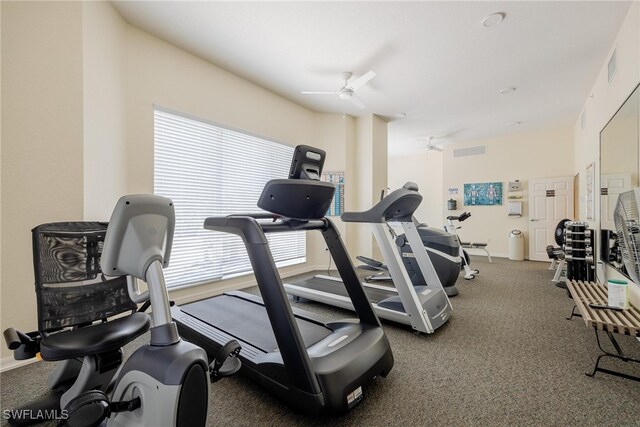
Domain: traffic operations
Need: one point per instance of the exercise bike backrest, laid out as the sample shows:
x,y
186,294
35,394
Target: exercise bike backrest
x,y
138,245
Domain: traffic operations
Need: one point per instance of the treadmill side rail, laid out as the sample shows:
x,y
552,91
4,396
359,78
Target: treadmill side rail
x,y
348,274
285,328
419,318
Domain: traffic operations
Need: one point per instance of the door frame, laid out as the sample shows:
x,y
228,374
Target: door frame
x,y
571,208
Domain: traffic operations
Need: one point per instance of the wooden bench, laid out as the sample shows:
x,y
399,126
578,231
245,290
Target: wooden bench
x,y
626,322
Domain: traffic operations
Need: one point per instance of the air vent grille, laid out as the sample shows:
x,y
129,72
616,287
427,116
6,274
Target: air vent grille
x,y
478,150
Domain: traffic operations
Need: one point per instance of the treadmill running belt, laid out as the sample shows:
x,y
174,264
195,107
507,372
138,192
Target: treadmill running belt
x,y
333,287
248,321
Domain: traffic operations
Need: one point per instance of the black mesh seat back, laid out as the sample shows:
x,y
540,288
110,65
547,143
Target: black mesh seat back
x,y
70,287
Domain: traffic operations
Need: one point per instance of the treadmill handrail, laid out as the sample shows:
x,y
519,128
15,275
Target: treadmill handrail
x,y
398,206
227,224
276,303
246,227
347,271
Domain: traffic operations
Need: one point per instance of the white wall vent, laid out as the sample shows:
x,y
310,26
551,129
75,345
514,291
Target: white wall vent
x,y
478,150
583,120
613,65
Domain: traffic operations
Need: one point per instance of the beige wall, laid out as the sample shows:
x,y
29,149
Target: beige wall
x,y
604,100
425,168
42,134
105,161
519,156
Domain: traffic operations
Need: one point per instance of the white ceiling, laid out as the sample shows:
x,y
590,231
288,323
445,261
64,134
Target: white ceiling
x,y
434,60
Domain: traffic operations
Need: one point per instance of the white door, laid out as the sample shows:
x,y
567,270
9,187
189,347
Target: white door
x,y
611,185
550,201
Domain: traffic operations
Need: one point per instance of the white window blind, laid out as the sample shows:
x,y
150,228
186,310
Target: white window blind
x,y
208,171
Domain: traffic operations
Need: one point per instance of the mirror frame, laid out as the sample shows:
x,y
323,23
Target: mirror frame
x,y
605,233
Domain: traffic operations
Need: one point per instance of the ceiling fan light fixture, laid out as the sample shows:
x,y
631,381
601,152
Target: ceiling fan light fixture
x,y
345,94
493,19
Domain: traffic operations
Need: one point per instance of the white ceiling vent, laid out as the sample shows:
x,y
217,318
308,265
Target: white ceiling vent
x,y
613,65
478,150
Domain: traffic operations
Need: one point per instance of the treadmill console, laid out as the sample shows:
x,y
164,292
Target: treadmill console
x,y
303,196
307,163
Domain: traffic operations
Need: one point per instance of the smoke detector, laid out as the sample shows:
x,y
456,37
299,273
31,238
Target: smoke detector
x,y
493,19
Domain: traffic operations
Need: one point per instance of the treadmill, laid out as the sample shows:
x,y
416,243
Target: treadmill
x,y
316,365
424,307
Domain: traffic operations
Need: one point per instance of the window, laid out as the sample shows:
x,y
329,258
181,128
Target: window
x,y
212,171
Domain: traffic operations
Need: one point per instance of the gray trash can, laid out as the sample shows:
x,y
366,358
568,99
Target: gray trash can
x,y
516,245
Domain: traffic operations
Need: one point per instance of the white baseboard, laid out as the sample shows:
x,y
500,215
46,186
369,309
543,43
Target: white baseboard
x,y
9,363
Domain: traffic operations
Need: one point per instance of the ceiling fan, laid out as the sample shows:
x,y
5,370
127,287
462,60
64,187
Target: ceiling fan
x,y
347,92
431,146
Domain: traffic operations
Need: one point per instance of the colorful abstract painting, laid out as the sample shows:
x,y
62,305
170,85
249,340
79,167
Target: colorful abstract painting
x,y
483,194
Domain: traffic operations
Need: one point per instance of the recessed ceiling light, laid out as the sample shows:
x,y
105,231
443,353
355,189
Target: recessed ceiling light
x,y
515,123
493,19
507,90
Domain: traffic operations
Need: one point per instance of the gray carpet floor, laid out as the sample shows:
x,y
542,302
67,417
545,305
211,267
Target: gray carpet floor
x,y
507,357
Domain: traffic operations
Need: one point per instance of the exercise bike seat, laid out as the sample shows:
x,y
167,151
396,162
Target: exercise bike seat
x,y
94,339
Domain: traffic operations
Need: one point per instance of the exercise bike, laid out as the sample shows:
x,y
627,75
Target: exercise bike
x,y
451,228
165,382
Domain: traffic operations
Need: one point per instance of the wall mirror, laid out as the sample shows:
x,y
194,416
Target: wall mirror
x,y
619,161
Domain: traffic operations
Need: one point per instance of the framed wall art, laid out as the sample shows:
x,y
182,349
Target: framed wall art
x,y
483,194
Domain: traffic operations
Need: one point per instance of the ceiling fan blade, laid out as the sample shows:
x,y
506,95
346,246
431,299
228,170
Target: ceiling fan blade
x,y
358,102
434,148
318,93
361,81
